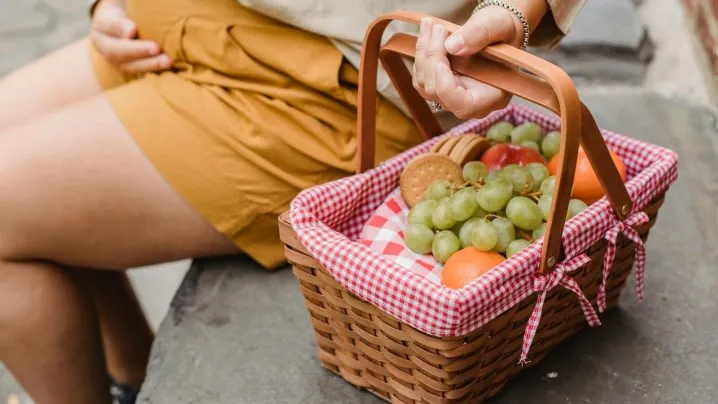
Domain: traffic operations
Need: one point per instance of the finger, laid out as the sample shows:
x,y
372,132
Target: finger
x,y
120,51
436,54
423,93
451,95
486,99
489,25
112,21
152,64
422,44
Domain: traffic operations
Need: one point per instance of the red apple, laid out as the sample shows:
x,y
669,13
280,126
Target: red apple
x,y
503,154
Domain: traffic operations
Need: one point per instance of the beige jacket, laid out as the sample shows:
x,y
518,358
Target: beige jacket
x,y
344,21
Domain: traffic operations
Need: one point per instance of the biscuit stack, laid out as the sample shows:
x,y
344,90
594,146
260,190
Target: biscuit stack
x,y
444,161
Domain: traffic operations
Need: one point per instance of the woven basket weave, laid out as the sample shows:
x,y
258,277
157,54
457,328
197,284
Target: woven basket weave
x,y
372,350
453,351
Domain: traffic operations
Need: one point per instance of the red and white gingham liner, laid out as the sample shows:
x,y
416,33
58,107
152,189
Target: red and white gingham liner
x,y
328,220
384,233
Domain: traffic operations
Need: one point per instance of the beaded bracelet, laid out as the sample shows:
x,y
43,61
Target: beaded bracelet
x,y
513,10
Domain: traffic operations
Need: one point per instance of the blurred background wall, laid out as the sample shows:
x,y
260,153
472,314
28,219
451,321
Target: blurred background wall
x,y
703,21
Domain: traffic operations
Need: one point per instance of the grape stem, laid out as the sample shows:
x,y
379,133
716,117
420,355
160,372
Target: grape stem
x,y
535,195
476,185
524,235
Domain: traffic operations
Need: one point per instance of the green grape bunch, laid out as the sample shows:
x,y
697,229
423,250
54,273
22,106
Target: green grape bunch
x,y
503,210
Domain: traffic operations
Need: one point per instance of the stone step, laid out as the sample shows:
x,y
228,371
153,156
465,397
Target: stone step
x,y
608,43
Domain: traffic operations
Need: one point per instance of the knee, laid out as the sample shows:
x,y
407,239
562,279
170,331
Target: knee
x,y
34,297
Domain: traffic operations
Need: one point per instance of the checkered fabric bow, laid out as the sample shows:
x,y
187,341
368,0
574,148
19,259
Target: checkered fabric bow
x,y
544,283
627,227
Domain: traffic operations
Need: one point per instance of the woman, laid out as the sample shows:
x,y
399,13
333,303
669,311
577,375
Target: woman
x,y
182,129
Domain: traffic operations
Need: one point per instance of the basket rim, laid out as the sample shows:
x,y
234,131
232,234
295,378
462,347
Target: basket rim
x,y
413,299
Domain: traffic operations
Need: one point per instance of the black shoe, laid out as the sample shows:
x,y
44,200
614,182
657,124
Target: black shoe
x,y
122,394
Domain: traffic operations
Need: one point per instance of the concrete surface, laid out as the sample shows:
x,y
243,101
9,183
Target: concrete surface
x,y
608,42
32,28
676,69
613,25
238,334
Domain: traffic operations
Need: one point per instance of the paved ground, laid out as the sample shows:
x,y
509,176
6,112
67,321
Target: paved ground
x,y
31,28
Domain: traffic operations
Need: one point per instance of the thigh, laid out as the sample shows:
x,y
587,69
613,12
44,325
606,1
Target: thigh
x,y
55,80
76,190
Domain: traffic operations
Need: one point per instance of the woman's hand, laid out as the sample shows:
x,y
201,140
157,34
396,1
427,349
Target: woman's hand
x,y
463,96
114,35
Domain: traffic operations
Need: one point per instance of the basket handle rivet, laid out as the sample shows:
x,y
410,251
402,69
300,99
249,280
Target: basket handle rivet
x,y
624,209
551,262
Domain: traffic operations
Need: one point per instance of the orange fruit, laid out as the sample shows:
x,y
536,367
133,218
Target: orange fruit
x,y
468,264
586,186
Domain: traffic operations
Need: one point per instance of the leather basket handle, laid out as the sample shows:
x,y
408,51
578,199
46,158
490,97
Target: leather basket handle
x,y
548,86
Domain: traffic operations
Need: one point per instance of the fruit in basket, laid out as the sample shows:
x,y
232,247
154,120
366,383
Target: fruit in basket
x,y
494,196
444,245
528,131
457,228
464,204
521,180
485,236
442,217
419,238
438,190
544,203
500,132
548,185
475,171
479,213
539,173
516,246
503,154
499,207
575,206
421,213
531,145
538,232
468,264
586,185
524,213
551,144
506,233
467,231
493,176
423,171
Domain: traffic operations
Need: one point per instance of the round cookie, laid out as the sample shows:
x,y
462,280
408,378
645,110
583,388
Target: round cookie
x,y
422,172
473,150
460,146
446,148
435,148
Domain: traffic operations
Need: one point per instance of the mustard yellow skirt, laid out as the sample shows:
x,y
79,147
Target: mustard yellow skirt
x,y
252,112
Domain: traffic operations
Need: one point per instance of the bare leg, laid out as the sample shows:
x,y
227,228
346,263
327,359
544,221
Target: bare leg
x,y
50,335
77,192
54,81
126,334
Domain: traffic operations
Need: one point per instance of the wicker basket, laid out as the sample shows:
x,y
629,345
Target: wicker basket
x,y
371,348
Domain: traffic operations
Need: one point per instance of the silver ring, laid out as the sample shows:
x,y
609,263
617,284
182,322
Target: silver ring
x,y
435,106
